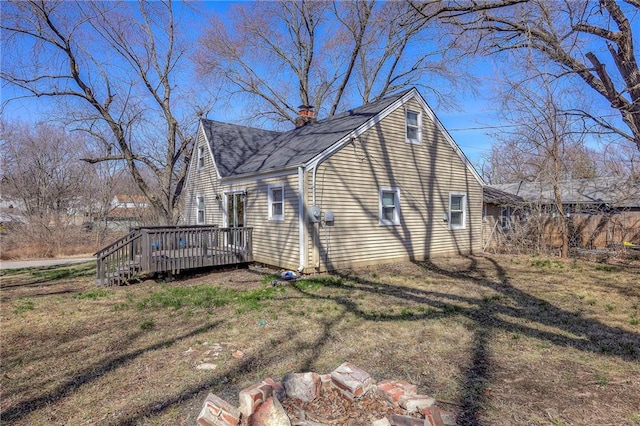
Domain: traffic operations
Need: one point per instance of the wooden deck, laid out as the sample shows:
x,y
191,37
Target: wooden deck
x,y
171,249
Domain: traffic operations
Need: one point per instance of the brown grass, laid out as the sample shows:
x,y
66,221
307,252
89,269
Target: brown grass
x,y
23,243
499,340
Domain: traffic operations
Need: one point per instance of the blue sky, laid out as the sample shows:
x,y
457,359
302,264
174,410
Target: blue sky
x,y
467,123
470,124
471,112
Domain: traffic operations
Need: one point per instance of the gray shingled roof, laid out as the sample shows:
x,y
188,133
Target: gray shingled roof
x,y
233,145
604,190
497,196
244,150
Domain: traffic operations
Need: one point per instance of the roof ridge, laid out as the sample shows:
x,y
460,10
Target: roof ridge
x,y
240,125
242,149
365,105
323,121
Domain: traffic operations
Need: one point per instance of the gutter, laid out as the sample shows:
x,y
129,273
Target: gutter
x,y
301,218
313,184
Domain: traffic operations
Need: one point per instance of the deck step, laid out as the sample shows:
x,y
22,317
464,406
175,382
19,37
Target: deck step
x,y
122,275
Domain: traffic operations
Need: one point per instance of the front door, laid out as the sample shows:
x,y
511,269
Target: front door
x,y
236,217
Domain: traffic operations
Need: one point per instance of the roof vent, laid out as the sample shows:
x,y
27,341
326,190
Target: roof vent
x,y
305,115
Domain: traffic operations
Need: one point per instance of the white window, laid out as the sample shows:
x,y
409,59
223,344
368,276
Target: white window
x,y
414,127
200,157
389,212
276,202
457,211
200,210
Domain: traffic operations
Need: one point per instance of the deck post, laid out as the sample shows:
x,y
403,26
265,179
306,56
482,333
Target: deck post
x,y
145,251
249,247
100,278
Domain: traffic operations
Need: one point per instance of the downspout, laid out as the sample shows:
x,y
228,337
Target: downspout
x,y
316,231
301,218
313,191
313,185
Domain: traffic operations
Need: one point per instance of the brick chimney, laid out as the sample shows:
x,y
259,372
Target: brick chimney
x,y
305,116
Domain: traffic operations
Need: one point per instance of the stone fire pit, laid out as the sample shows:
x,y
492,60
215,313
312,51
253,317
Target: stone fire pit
x,y
347,396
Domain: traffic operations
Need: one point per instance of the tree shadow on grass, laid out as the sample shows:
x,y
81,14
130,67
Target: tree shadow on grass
x,y
489,315
43,281
267,355
592,335
486,313
89,374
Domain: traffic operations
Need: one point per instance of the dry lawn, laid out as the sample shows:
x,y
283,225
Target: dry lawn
x,y
499,340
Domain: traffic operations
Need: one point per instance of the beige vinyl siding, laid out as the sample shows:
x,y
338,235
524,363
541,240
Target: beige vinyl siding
x,y
202,182
348,183
274,242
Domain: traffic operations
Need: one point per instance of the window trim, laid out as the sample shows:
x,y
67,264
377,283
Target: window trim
x,y
463,210
198,210
418,127
201,156
271,202
396,210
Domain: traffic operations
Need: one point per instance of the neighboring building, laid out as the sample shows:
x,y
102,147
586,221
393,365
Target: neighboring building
x,y
11,213
601,211
382,182
501,212
125,201
11,205
126,211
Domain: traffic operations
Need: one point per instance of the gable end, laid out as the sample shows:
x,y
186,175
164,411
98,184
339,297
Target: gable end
x,y
411,94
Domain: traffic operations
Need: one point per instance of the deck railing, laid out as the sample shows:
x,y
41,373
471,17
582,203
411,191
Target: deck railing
x,y
171,249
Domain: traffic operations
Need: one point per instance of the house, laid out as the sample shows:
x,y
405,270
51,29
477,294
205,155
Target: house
x,y
11,213
126,211
600,211
126,201
383,182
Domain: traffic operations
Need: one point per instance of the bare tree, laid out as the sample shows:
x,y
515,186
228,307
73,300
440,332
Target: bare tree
x,y
620,160
42,170
542,144
321,54
591,42
507,163
113,68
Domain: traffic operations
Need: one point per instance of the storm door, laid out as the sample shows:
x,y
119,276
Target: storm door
x,y
236,218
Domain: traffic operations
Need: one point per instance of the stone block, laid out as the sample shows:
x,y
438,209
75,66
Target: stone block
x,y
253,396
398,420
381,422
432,416
326,381
304,386
392,390
206,417
351,380
277,388
206,366
416,403
269,413
218,412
